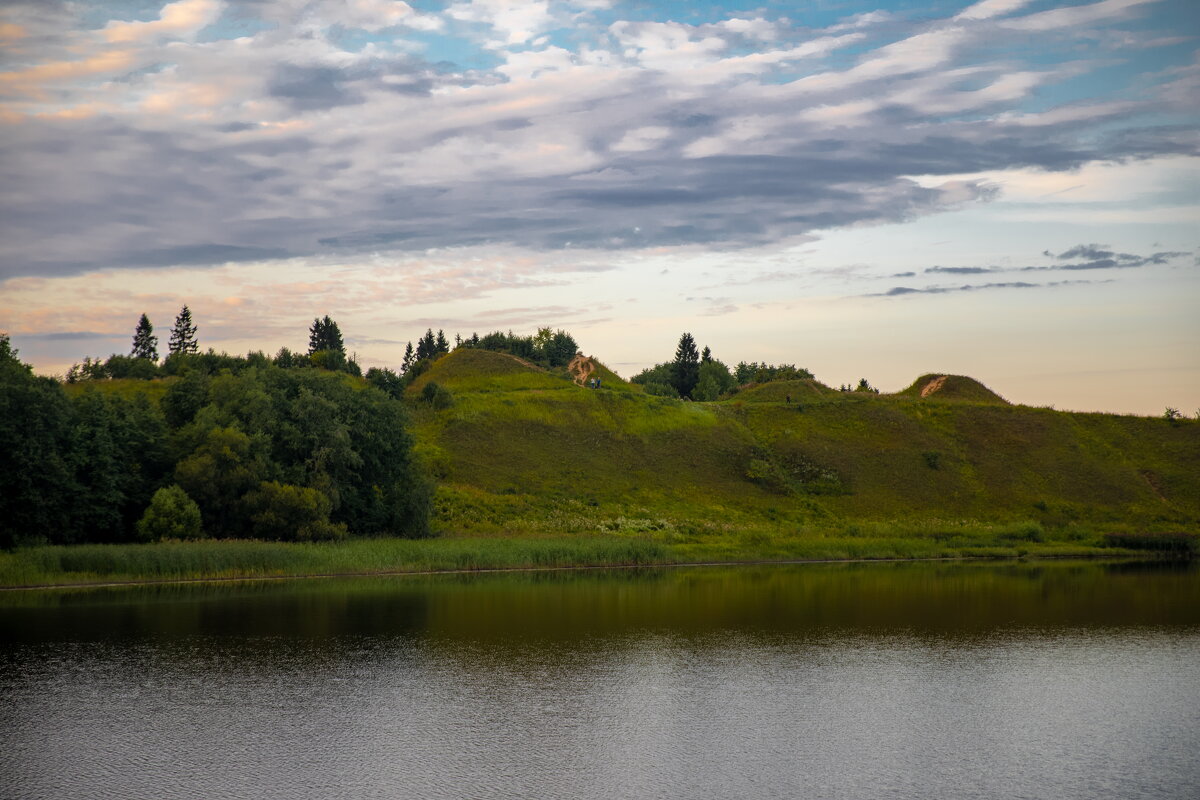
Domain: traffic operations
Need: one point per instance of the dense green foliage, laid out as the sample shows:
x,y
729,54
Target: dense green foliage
x,y
699,376
754,372
260,450
171,515
685,369
545,348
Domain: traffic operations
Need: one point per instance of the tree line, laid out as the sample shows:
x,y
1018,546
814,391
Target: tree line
x,y
234,447
271,447
696,375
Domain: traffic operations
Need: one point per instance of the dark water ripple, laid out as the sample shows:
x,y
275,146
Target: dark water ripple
x,y
1072,681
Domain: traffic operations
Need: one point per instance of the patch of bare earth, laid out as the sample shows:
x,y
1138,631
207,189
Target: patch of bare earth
x,y
933,386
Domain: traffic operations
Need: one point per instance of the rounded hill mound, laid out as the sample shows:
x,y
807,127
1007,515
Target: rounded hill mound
x,y
781,391
469,369
951,387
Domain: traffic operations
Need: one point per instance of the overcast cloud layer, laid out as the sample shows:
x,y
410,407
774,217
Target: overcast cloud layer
x,y
205,132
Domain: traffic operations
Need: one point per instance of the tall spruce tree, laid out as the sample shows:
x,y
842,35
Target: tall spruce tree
x,y
145,343
324,334
183,335
441,345
409,358
426,345
685,369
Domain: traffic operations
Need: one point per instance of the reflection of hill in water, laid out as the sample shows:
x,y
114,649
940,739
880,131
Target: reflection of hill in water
x,y
914,598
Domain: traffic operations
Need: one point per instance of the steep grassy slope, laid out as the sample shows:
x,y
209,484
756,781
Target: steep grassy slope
x,y
513,455
894,457
581,446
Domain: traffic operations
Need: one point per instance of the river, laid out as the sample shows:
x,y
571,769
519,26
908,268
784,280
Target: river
x,y
898,680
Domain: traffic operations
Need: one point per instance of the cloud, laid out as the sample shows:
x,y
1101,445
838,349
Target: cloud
x,y
1086,251
1096,257
289,142
987,9
898,291
961,270
181,18
71,336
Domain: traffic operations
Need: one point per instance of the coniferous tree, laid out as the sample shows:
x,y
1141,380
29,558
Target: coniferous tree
x,y
183,335
324,334
441,345
705,355
685,369
145,343
426,345
409,358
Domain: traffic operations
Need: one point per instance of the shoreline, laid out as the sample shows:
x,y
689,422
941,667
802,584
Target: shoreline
x,y
101,584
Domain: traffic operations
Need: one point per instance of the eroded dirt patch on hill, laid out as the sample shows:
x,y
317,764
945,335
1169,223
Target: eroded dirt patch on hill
x,y
581,368
934,385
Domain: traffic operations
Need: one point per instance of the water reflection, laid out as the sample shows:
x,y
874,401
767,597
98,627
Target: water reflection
x,y
886,680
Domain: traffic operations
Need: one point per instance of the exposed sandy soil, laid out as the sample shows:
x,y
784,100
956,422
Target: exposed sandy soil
x,y
581,368
933,386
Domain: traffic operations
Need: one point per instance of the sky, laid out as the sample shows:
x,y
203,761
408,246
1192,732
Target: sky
x,y
1007,189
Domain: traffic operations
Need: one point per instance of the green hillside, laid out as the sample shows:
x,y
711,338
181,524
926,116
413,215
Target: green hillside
x,y
786,391
513,456
533,469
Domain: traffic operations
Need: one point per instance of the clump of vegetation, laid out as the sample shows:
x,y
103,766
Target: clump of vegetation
x,y
754,372
170,515
1177,543
436,395
545,348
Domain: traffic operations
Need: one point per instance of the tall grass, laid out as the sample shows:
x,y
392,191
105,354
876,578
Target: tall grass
x,y
234,558
633,542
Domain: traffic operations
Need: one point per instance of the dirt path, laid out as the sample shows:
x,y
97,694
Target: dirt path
x,y
933,385
581,368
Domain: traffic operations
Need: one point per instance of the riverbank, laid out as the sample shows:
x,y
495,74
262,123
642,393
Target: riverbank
x,y
232,559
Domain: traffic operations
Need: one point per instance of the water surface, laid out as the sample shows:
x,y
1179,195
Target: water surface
x,y
910,680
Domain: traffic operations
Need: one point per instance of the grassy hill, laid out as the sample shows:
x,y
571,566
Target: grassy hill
x,y
523,450
951,387
786,391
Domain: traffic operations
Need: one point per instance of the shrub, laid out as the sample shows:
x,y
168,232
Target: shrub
x,y
170,515
437,395
932,459
285,512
